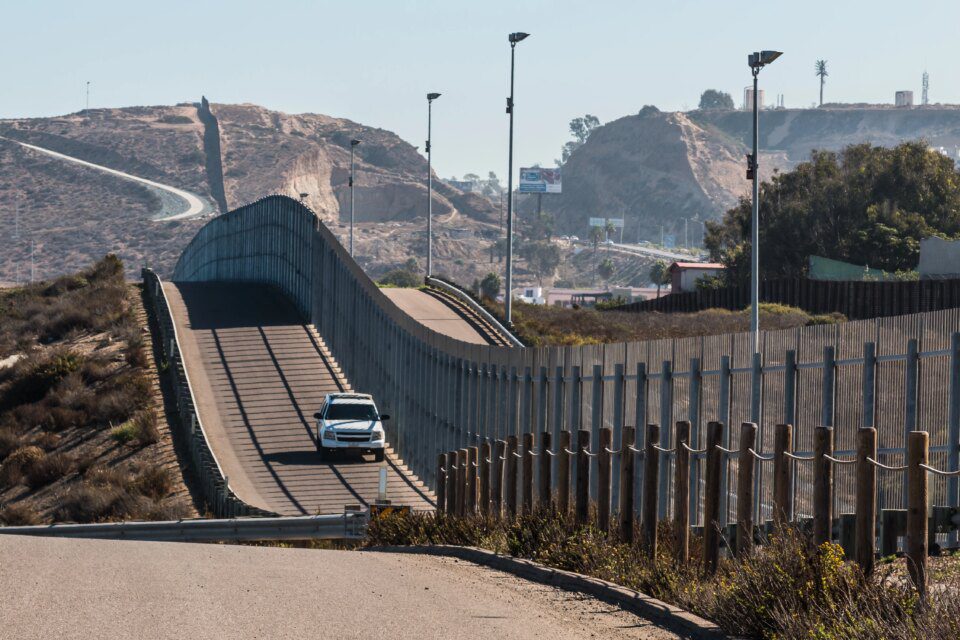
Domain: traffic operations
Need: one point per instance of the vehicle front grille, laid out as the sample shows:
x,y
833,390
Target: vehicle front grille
x,y
345,436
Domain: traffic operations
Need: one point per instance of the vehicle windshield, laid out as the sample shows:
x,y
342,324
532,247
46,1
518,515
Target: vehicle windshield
x,y
351,412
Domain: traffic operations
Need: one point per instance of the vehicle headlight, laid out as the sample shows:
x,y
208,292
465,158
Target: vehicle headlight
x,y
377,435
329,434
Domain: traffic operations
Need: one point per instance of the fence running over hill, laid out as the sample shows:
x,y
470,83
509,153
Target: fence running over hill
x,y
896,374
855,300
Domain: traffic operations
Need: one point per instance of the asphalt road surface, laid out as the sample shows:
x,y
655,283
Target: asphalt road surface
x,y
107,589
259,374
429,311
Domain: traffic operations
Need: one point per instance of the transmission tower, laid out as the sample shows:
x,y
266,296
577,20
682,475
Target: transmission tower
x,y
926,88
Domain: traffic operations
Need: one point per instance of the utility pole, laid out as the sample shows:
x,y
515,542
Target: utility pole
x,y
661,236
32,265
686,241
88,94
430,98
514,38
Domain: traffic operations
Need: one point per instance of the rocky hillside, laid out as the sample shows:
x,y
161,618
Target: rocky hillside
x,y
657,168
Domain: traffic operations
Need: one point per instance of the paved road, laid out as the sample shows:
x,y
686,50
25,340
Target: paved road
x,y
655,253
259,374
106,589
195,205
429,311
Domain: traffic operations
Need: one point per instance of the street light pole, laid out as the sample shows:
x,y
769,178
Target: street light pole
x,y
353,144
508,298
430,98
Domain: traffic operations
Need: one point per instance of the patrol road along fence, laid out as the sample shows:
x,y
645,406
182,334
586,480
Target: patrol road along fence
x,y
856,532
892,374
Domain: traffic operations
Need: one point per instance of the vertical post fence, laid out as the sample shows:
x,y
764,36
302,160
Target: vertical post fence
x,y
603,477
822,485
746,464
651,476
711,498
563,473
627,458
544,468
681,492
583,477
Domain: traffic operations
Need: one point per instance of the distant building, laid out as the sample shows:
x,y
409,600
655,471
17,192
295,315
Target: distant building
x,y
748,98
684,275
467,186
939,258
904,99
566,298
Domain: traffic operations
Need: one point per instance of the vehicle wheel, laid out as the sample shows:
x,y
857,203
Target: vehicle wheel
x,y
378,455
323,453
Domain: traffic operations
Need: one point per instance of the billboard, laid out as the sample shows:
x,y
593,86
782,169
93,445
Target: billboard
x,y
538,180
602,222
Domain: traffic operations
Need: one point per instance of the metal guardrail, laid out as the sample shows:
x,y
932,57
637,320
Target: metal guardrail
x,y
476,308
348,526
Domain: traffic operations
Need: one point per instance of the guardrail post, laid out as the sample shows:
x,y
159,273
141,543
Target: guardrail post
x,y
496,485
583,476
651,470
546,462
782,474
441,482
627,459
461,482
472,467
681,492
822,485
603,477
866,499
711,498
485,463
527,490
511,483
563,473
746,464
918,453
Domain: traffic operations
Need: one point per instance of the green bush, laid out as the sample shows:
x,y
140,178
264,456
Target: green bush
x,y
125,433
401,278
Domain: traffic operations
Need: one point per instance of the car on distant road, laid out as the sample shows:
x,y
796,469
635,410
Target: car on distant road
x,y
574,239
350,422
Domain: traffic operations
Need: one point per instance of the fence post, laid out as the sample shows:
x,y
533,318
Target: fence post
x,y
603,477
866,499
583,477
651,470
918,452
485,463
563,473
496,485
782,474
511,483
822,485
627,458
546,463
441,482
527,490
452,483
473,466
461,482
746,464
681,492
711,498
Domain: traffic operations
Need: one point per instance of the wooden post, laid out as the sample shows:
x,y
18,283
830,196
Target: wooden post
x,y
485,463
470,499
527,491
822,485
918,453
563,473
461,482
546,463
866,499
746,464
651,473
451,483
603,478
511,481
441,482
711,498
583,477
628,439
681,492
782,475
496,485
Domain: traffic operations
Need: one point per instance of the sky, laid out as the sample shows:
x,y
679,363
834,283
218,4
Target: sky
x,y
374,61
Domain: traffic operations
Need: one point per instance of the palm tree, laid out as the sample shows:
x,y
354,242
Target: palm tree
x,y
608,228
658,273
821,67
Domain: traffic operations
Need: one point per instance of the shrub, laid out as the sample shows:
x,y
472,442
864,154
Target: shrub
x,y
9,442
19,515
85,503
125,433
153,481
148,427
401,278
15,466
34,377
49,468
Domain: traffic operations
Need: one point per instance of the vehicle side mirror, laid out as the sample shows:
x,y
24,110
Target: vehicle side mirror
x,y
385,417
317,415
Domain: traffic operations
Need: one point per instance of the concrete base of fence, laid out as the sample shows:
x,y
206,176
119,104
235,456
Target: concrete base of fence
x,y
665,615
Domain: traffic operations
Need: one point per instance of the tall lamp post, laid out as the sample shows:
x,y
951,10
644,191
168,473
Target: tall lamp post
x,y
430,98
756,61
508,299
353,145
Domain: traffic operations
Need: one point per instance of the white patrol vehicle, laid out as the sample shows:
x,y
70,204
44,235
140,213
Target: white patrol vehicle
x,y
350,422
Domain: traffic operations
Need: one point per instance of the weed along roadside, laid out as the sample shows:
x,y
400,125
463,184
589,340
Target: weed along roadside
x,y
788,578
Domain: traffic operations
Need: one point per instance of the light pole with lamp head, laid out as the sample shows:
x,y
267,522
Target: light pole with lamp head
x,y
353,145
508,298
430,98
757,61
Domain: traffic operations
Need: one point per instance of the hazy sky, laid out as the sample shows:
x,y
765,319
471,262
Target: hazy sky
x,y
374,61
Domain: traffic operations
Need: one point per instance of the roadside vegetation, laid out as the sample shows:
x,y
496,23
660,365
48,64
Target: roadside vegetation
x,y
788,589
82,433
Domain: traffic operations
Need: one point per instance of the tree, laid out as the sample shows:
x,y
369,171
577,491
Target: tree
x,y
821,70
865,205
713,99
596,235
608,228
401,278
543,259
580,128
605,269
491,186
490,286
658,274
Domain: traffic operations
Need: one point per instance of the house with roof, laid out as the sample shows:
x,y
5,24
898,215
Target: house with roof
x,y
684,275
